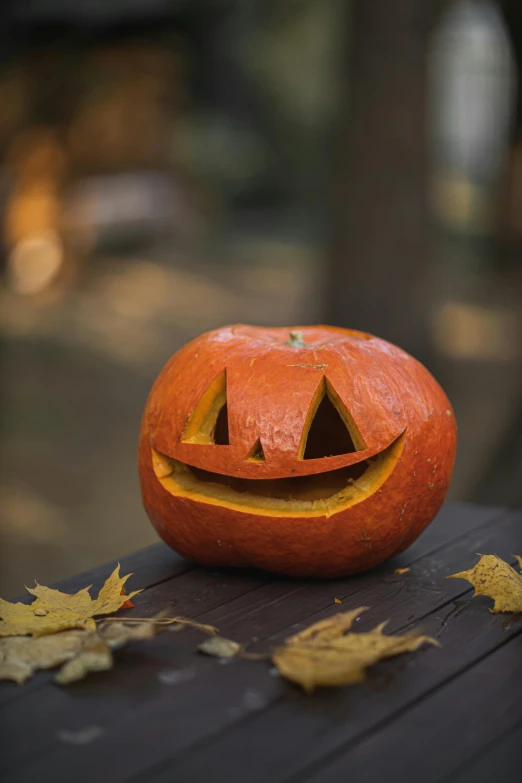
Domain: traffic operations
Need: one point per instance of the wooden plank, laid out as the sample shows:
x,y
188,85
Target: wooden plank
x,y
453,520
280,744
297,731
499,761
201,578
154,564
433,738
135,701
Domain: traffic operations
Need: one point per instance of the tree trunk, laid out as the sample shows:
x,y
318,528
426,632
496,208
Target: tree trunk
x,y
381,245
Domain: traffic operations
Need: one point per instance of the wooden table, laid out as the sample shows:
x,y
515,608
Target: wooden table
x,y
167,713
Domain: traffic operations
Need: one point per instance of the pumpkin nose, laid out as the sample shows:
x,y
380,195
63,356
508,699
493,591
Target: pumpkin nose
x,y
257,453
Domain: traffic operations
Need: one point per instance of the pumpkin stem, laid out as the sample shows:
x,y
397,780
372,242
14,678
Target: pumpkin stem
x,y
296,340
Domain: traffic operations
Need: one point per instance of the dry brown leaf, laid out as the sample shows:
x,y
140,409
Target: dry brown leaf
x,y
116,635
337,601
402,570
496,579
95,653
93,656
80,651
219,647
21,656
326,654
54,611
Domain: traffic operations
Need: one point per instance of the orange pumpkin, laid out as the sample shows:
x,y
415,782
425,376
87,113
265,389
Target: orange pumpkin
x,y
310,452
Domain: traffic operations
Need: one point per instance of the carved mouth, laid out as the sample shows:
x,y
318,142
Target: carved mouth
x,y
320,494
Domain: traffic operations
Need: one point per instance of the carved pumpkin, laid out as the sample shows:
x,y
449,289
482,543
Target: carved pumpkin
x,y
319,452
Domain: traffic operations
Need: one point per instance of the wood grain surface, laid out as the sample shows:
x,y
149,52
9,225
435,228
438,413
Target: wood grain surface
x,y
166,713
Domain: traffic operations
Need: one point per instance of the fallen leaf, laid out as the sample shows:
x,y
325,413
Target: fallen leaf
x,y
93,656
80,651
337,601
20,620
402,570
519,561
495,579
21,656
326,654
116,635
39,636
219,647
54,611
95,653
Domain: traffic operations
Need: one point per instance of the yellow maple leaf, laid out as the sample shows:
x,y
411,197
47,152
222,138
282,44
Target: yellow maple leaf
x,y
495,579
54,611
327,654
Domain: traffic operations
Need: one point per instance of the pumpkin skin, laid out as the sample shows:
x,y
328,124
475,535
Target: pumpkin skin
x,y
209,502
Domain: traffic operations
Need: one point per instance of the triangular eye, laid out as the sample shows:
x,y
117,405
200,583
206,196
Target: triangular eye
x,y
256,453
221,437
331,429
208,422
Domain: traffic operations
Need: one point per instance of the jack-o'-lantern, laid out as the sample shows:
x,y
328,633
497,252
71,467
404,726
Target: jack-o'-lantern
x,y
313,451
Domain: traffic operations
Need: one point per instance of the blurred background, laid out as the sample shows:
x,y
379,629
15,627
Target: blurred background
x,y
170,166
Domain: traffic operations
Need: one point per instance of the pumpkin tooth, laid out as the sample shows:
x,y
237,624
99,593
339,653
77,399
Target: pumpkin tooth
x,y
161,465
